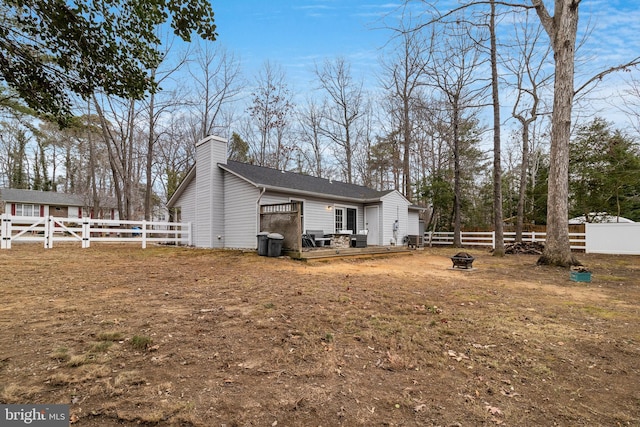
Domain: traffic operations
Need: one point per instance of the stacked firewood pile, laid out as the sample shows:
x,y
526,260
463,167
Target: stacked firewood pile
x,y
526,248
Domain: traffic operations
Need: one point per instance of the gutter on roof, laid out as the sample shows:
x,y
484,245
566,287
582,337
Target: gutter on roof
x,y
321,195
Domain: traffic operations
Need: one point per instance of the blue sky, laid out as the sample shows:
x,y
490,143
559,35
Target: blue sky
x,y
296,34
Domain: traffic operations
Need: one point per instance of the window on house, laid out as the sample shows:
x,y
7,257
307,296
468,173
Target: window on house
x,y
27,210
346,219
351,220
339,219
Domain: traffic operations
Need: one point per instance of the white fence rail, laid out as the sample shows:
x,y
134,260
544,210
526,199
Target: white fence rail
x,y
87,230
488,238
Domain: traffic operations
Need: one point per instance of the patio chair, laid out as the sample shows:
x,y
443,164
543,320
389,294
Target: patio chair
x,y
308,241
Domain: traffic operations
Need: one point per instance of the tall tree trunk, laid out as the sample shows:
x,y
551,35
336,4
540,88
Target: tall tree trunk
x,y
150,142
497,166
348,148
562,30
457,190
127,179
522,191
95,199
19,176
406,165
115,167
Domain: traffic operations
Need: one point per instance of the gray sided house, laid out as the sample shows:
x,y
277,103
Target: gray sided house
x,y
222,198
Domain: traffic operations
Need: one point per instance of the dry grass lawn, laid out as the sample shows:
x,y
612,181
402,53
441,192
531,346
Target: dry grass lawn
x,y
187,337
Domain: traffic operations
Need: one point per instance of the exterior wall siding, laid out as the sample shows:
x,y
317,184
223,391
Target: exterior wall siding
x,y
209,193
241,213
204,198
316,215
270,198
187,203
413,227
218,147
394,206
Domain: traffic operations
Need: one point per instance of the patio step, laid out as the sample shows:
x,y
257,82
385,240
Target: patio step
x,y
312,254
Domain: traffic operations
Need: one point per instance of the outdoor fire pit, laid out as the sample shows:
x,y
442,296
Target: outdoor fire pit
x,y
462,260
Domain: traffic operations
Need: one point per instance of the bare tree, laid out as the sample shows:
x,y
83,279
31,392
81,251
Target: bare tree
x,y
151,142
453,72
561,29
156,105
310,122
75,162
344,108
270,111
630,105
385,153
432,135
218,81
365,135
498,249
403,74
118,125
175,155
528,66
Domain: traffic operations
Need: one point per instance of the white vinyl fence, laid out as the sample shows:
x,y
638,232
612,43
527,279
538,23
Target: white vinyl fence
x,y
613,238
49,230
488,238
603,238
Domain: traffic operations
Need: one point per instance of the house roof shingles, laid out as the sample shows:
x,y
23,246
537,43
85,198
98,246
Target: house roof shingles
x,y
40,197
291,181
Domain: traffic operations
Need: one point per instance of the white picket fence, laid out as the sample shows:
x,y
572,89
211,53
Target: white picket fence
x,y
49,230
488,238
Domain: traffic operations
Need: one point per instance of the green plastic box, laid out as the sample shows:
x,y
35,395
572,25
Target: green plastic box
x,y
581,276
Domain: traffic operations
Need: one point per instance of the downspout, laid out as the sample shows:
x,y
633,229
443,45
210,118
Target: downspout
x,y
258,208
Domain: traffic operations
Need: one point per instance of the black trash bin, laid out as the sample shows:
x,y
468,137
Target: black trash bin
x,y
275,244
263,243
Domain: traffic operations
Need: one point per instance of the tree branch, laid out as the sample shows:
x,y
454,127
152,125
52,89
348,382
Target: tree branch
x,y
465,6
545,18
600,76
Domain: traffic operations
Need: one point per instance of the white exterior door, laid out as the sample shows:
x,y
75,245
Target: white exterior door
x,y
372,223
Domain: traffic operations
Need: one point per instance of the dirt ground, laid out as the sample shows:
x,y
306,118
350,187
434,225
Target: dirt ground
x,y
186,337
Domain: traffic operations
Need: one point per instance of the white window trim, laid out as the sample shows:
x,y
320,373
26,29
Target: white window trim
x,y
35,209
343,209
